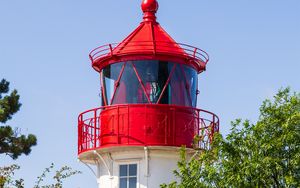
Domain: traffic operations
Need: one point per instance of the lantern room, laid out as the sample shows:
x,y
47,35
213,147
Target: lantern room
x,y
149,82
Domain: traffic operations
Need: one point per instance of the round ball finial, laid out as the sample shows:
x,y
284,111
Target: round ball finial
x,y
149,6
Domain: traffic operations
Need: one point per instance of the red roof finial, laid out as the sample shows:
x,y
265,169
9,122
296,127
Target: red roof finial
x,y
149,8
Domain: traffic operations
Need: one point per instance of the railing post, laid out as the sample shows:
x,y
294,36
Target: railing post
x,y
145,124
118,125
173,125
79,136
98,132
195,51
166,133
111,50
198,128
213,127
201,143
91,57
95,128
85,136
128,124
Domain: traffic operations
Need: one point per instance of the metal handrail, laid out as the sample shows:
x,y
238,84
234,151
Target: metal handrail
x,y
188,51
89,125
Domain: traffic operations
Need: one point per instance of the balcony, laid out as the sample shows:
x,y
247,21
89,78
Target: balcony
x,y
146,125
159,49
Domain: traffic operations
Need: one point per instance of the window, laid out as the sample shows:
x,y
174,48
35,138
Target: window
x,y
110,75
128,176
144,81
192,81
129,90
148,72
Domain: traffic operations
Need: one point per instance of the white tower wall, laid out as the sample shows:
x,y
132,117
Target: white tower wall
x,y
155,165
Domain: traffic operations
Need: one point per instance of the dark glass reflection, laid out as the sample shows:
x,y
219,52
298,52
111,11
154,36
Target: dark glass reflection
x,y
132,170
132,182
148,71
192,81
130,90
123,170
128,176
181,89
109,76
123,182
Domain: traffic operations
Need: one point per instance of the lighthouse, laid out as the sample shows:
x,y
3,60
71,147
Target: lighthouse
x,y
148,111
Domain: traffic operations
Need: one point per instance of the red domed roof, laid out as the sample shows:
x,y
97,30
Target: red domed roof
x,y
149,41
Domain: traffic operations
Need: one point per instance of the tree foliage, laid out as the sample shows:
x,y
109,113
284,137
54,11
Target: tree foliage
x,y
7,177
12,142
59,176
263,154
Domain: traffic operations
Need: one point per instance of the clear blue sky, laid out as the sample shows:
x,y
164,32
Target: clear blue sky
x,y
44,44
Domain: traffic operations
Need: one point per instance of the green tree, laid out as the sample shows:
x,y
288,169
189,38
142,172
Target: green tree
x,y
12,142
60,175
7,179
263,154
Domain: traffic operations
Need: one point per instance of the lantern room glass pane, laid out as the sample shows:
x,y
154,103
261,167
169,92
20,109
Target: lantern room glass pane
x,y
165,69
192,81
154,74
129,90
149,72
178,90
110,75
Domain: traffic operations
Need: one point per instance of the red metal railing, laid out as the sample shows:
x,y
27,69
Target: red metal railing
x,y
150,47
146,125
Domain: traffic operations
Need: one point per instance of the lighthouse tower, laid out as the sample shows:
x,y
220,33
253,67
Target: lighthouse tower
x,y
149,88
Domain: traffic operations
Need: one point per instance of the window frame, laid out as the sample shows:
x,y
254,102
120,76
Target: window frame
x,y
127,177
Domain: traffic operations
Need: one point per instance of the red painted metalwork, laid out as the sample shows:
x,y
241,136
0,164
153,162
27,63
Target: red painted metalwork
x,y
103,94
136,50
149,41
149,6
145,125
